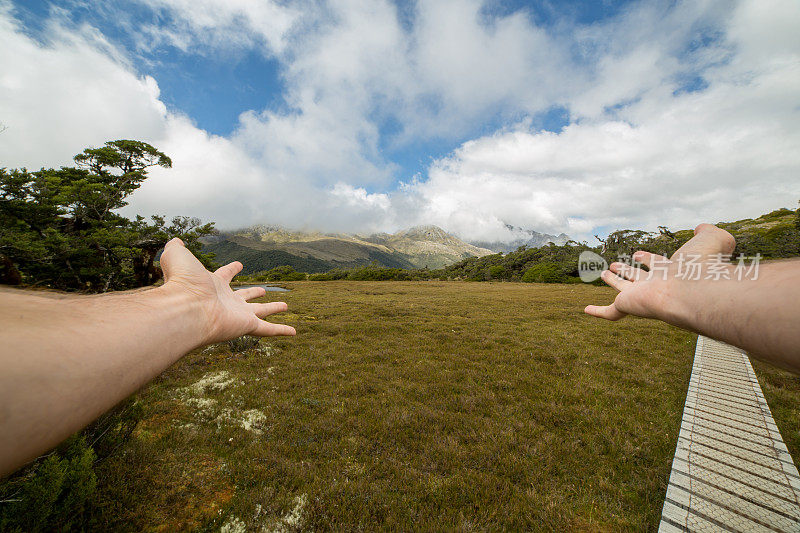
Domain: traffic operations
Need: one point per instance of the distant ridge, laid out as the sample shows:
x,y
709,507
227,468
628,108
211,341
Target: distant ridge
x,y
529,238
264,247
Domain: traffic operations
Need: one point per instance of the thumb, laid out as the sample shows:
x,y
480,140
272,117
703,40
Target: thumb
x,y
168,256
708,240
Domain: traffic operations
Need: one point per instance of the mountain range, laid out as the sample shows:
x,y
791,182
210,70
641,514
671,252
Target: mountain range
x,y
265,247
527,237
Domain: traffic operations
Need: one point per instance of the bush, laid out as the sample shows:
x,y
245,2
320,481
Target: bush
x,y
376,273
545,273
53,493
329,276
56,492
243,343
281,273
498,272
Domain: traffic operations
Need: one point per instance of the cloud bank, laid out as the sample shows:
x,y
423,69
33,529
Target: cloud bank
x,y
677,113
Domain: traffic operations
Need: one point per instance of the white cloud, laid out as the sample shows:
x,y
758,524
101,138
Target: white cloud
x,y
58,98
76,90
728,151
639,151
219,24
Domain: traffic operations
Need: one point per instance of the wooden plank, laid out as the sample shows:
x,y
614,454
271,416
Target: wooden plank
x,y
731,470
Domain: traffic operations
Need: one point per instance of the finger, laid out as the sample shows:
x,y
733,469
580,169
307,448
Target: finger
x,y
708,240
264,310
648,259
268,329
228,271
250,293
614,280
625,271
609,312
173,242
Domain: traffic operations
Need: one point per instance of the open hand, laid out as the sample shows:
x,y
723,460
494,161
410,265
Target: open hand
x,y
659,295
227,312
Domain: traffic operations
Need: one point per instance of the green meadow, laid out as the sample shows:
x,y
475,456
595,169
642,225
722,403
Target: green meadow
x,y
418,406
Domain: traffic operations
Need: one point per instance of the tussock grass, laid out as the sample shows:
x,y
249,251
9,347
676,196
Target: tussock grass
x,y
415,406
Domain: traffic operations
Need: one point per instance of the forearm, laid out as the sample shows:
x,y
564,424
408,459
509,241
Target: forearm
x,y
66,361
762,316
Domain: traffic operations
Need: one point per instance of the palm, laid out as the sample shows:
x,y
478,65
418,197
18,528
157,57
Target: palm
x,y
229,312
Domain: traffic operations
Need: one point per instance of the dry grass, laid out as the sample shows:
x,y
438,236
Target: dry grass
x,y
415,406
782,392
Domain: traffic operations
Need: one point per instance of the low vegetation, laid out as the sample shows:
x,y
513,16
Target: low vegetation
x,y
258,262
773,236
408,406
59,491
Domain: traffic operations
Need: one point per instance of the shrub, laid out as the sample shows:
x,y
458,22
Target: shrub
x,y
52,493
498,272
56,492
243,343
329,276
375,273
545,273
281,273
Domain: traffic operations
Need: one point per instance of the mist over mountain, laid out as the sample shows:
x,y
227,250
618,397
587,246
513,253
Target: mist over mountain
x,y
263,247
525,237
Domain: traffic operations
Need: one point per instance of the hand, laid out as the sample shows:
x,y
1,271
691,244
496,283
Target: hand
x,y
660,295
226,313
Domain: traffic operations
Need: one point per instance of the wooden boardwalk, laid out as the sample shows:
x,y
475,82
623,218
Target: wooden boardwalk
x,y
732,471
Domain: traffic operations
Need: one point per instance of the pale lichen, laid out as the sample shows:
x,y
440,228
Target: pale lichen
x,y
233,525
291,521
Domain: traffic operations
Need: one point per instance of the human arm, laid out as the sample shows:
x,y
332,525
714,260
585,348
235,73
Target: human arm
x,y
65,361
759,314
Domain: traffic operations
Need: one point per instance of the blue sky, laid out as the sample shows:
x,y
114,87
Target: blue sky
x,y
215,90
568,117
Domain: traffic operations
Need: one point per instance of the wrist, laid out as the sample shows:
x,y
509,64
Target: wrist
x,y
675,305
192,318
690,301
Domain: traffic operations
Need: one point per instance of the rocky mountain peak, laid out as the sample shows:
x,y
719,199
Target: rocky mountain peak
x,y
425,233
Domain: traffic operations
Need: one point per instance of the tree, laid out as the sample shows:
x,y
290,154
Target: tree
x,y
117,169
60,227
546,272
498,272
621,244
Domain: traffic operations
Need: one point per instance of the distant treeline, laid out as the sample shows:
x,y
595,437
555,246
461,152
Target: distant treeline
x,y
774,235
548,264
260,261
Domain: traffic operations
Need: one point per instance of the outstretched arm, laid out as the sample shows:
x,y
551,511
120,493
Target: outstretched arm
x,y
65,361
758,313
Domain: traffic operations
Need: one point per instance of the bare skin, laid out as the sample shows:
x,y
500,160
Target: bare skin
x,y
759,314
67,360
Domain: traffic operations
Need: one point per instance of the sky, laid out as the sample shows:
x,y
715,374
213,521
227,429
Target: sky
x,y
579,117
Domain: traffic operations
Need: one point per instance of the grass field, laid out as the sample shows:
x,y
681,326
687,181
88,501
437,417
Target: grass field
x,y
419,406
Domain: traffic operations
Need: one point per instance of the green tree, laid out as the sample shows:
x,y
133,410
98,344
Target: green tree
x,y
60,227
622,244
546,272
281,273
498,272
